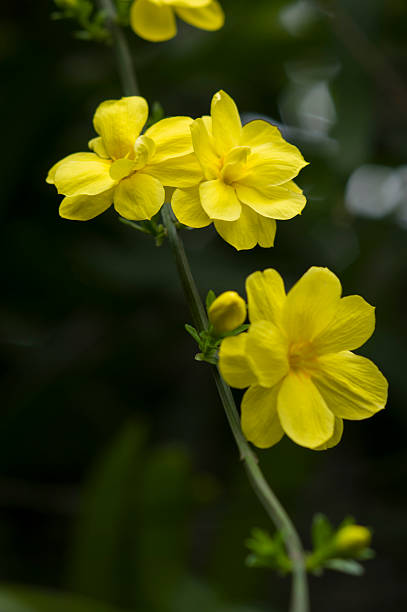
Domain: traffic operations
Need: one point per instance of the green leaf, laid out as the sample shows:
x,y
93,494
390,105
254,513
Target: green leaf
x,y
322,531
347,566
193,332
25,599
210,298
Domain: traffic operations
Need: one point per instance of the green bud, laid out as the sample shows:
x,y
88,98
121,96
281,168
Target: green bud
x,y
227,312
352,539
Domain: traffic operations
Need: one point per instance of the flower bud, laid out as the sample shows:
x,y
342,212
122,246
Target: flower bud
x,y
352,539
227,312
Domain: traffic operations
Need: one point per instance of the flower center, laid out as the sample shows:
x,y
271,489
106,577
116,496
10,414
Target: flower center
x,y
302,356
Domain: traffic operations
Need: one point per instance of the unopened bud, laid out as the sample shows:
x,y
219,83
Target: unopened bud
x,y
352,539
227,312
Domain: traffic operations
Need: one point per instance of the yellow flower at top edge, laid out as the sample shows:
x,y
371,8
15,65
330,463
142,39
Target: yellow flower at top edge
x,y
248,174
125,167
296,360
154,20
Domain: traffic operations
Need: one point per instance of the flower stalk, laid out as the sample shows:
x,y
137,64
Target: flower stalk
x,y
299,596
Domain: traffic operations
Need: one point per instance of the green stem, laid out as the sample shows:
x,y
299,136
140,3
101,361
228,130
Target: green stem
x,y
299,596
121,48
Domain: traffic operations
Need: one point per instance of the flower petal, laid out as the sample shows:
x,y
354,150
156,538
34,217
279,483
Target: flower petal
x,y
273,161
336,438
96,145
234,167
122,168
219,200
250,229
265,296
352,324
172,138
311,304
303,413
226,124
268,351
85,207
192,4
138,197
74,157
352,386
176,171
260,422
84,177
235,364
204,147
210,17
119,122
274,202
152,21
187,207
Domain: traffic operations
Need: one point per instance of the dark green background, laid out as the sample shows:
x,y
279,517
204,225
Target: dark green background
x,y
119,478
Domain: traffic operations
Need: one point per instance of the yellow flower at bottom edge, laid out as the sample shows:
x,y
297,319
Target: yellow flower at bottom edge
x,y
296,360
154,20
248,174
126,168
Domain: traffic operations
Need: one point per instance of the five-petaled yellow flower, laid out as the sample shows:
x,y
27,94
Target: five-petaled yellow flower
x,y
296,360
248,174
126,168
154,20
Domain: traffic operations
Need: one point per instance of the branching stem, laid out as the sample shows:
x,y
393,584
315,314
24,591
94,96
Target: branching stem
x,y
299,597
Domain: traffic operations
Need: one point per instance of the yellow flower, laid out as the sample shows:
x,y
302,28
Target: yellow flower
x,y
248,174
155,19
227,312
125,167
352,539
296,360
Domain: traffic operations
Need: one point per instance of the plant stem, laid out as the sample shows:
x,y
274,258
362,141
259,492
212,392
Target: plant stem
x,y
299,596
121,48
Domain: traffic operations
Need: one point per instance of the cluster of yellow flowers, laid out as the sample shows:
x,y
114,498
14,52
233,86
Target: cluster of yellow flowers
x,y
238,177
296,356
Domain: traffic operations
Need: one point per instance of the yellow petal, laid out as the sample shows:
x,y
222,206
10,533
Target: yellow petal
x,y
303,413
311,304
353,323
201,132
138,197
234,167
152,21
227,312
219,200
96,145
273,160
250,229
180,172
85,207
235,364
122,168
210,17
192,4
268,351
74,157
265,296
352,386
84,177
260,422
274,202
187,207
119,122
226,124
336,438
172,138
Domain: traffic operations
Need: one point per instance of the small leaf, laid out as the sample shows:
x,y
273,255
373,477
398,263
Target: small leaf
x,y
192,332
347,566
210,298
322,531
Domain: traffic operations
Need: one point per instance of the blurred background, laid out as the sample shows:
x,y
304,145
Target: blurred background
x,y
119,478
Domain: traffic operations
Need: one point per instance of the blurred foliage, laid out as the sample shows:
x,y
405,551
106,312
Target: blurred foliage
x,y
92,315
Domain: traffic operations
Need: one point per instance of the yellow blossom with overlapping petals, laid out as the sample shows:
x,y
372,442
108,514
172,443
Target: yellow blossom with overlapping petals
x,y
248,174
298,363
154,20
125,167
